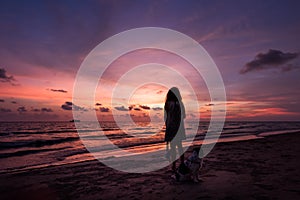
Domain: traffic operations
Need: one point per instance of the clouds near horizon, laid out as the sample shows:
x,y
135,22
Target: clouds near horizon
x,y
121,108
46,110
157,108
58,90
70,106
5,110
104,109
145,107
4,78
21,109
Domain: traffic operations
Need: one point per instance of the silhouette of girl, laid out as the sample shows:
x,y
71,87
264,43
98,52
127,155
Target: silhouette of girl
x,y
175,132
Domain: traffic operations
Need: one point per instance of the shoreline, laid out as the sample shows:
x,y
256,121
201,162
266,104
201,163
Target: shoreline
x,y
256,169
262,135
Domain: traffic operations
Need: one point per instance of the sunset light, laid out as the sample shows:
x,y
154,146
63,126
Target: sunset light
x,y
149,99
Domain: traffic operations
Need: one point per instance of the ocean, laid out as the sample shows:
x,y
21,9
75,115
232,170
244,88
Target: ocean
x,y
26,145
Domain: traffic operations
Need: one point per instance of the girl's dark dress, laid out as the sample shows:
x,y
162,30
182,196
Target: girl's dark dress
x,y
174,116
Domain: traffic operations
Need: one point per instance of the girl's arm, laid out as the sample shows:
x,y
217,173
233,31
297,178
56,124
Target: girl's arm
x,y
165,113
183,110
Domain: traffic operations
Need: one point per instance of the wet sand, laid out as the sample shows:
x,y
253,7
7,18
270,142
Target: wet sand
x,y
265,168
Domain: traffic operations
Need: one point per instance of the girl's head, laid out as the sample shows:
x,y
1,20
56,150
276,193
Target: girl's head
x,y
173,94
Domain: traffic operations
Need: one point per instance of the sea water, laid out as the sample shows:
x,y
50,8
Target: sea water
x,y
25,145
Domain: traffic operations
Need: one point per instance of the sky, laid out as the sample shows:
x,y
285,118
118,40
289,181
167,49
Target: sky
x,y
255,45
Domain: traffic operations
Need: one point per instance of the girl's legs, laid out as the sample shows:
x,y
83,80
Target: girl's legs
x,y
173,145
173,154
180,151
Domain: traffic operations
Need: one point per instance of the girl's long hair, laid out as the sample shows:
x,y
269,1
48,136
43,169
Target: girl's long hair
x,y
173,95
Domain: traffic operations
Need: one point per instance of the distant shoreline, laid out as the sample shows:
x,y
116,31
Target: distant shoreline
x,y
204,121
95,160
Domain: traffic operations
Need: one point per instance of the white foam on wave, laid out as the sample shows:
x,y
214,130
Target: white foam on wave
x,y
270,133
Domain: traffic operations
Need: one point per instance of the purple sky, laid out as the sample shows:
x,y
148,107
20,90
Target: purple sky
x,y
255,45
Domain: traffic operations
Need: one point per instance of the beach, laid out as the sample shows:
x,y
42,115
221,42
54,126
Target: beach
x,y
265,168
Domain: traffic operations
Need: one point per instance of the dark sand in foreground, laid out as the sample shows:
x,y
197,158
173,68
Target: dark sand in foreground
x,y
256,169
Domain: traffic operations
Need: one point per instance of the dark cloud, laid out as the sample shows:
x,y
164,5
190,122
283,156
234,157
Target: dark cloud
x,y
66,107
59,90
1,100
70,106
137,109
131,107
103,109
145,107
98,104
46,110
13,102
42,110
5,110
68,103
209,104
5,78
157,108
121,108
271,59
22,109
35,110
